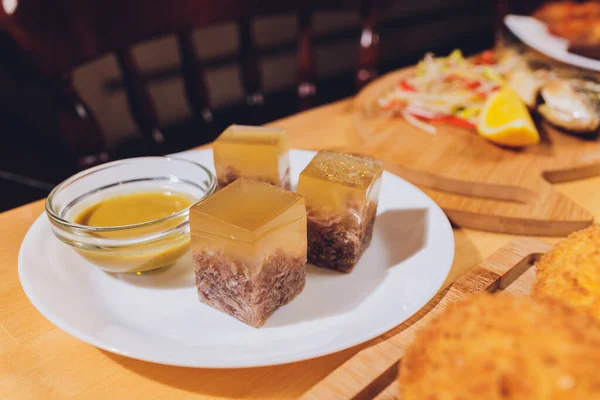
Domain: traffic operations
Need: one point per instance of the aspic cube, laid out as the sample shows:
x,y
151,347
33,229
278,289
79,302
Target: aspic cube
x,y
252,152
249,249
341,193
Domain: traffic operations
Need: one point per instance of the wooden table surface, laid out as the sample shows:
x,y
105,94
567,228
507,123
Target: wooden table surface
x,y
39,361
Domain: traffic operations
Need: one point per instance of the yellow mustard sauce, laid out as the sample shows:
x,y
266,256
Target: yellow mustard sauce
x,y
132,209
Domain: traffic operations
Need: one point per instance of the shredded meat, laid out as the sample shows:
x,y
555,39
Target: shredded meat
x,y
231,174
222,284
335,245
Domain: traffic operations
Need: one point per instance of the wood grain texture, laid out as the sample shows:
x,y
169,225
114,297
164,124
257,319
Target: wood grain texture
x,y
39,361
478,184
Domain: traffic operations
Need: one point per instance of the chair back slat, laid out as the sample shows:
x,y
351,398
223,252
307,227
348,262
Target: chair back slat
x,y
194,78
368,46
306,61
140,103
250,67
80,129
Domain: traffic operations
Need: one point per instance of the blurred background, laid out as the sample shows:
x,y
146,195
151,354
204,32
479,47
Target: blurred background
x,y
84,82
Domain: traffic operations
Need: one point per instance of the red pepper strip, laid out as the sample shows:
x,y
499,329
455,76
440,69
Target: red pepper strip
x,y
451,77
472,84
452,120
404,85
484,95
395,104
456,121
487,57
469,84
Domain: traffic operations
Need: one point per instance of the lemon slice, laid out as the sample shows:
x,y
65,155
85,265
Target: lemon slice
x,y
505,120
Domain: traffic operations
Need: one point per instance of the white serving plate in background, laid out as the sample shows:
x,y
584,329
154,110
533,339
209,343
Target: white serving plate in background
x,y
535,35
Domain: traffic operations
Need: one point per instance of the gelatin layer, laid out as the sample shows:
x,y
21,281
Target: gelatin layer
x,y
252,152
248,220
341,193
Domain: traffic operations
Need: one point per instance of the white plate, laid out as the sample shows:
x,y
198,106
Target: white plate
x,y
157,317
534,34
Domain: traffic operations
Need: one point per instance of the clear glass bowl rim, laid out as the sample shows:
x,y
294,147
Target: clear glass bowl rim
x,y
72,225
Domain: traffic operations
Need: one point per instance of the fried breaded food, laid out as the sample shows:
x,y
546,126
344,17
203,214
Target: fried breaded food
x,y
579,23
567,10
575,30
555,11
570,272
503,347
581,31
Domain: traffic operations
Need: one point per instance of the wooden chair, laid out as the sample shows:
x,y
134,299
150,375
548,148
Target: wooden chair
x,y
58,36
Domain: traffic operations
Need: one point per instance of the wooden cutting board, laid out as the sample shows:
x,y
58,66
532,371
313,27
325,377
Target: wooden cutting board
x,y
478,184
373,370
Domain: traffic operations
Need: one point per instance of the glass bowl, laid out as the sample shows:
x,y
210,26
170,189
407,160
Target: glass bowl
x,y
129,248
